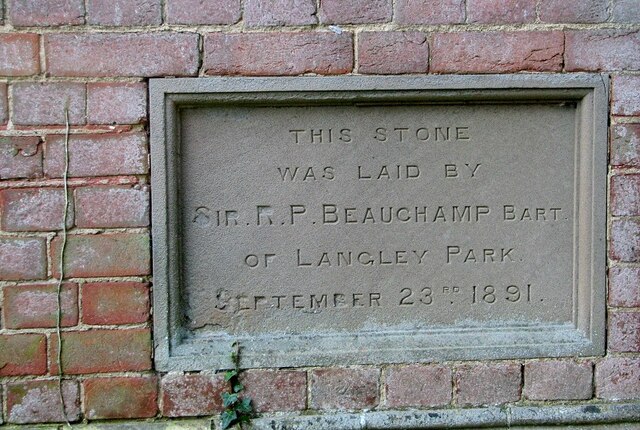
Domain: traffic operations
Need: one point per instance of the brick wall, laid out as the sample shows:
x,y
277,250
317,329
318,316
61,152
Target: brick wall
x,y
93,57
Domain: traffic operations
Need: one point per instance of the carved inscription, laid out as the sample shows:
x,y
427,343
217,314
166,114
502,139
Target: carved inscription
x,y
350,218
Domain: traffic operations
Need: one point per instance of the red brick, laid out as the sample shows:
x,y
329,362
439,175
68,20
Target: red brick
x,y
393,52
625,240
124,12
23,354
624,286
418,386
279,12
36,103
19,54
497,52
97,155
192,395
115,302
119,254
26,13
262,54
121,397
100,351
625,195
115,103
23,259
203,12
625,145
355,11
4,104
33,209
36,306
573,11
626,11
31,402
618,378
112,207
602,50
344,388
430,11
20,157
558,380
626,95
487,384
501,11
624,332
275,391
122,54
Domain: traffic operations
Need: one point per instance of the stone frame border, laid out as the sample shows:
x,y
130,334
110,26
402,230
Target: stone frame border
x,y
175,350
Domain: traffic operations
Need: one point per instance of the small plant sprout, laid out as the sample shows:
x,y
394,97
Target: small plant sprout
x,y
237,409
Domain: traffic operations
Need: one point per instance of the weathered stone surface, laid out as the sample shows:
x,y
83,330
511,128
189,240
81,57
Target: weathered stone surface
x,y
393,53
625,240
279,12
37,103
203,12
579,11
501,11
596,50
101,351
114,103
272,391
20,157
626,11
23,354
625,195
497,52
122,54
487,384
618,378
120,254
112,207
192,395
19,54
34,306
355,11
31,402
626,95
322,210
45,12
625,145
558,380
4,104
256,54
343,388
115,302
97,155
121,397
418,386
624,332
34,209
23,258
430,11
124,12
624,286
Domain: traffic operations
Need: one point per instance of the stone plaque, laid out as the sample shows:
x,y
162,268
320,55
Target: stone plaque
x,y
364,220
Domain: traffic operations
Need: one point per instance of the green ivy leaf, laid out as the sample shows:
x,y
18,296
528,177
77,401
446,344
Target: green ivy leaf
x,y
244,406
227,418
229,399
238,387
230,374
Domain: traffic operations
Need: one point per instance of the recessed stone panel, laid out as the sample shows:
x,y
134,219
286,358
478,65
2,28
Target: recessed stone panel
x,y
374,220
